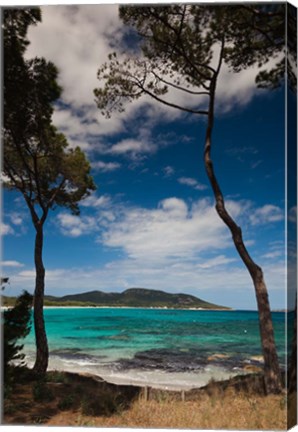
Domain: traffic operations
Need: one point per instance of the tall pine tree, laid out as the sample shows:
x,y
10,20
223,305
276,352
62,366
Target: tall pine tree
x,y
37,161
182,48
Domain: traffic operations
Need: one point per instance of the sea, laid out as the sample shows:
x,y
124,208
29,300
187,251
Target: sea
x,y
162,348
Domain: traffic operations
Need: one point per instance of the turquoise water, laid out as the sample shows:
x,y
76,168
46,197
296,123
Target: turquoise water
x,y
156,345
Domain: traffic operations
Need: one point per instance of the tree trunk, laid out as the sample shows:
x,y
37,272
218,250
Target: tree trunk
x,y
42,351
272,373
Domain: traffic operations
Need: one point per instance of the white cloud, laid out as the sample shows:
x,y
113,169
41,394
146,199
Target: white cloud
x,y
105,166
5,229
89,33
16,218
82,126
95,201
192,183
173,230
176,277
273,254
11,264
133,146
51,275
215,262
86,32
168,171
75,226
267,214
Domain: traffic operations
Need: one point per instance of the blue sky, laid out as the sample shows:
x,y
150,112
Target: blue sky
x,y
152,222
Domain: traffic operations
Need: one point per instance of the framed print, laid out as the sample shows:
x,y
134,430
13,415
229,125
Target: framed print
x,y
149,224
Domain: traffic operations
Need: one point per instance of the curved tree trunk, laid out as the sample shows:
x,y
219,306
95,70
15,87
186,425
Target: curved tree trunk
x,y
272,373
42,351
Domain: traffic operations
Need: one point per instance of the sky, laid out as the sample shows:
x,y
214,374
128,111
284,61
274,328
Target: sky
x,y
151,222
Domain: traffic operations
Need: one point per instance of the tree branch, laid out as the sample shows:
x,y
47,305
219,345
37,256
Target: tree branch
x,y
172,105
179,87
182,53
58,189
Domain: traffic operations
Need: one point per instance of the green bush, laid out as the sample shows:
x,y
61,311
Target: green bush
x,y
66,403
16,325
96,405
56,377
41,392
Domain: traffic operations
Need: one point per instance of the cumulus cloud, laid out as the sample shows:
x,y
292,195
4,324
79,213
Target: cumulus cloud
x,y
168,171
273,254
105,166
184,276
267,214
11,264
16,218
86,33
95,201
5,229
132,146
188,181
173,230
89,33
75,226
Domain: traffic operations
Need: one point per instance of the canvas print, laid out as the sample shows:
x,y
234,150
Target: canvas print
x,y
149,188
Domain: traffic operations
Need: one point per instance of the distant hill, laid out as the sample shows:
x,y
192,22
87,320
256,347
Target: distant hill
x,y
133,297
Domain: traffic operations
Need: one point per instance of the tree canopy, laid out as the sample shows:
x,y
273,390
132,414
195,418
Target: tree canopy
x,y
177,49
37,159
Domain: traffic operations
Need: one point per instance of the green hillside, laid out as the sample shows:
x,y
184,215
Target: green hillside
x,y
133,297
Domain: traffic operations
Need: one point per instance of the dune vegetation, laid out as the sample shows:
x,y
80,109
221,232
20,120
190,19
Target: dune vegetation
x,y
65,399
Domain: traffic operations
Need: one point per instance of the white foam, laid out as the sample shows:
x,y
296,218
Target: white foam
x,y
167,380
152,378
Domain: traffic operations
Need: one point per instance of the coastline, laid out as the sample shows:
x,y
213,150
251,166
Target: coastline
x,y
136,307
130,307
143,375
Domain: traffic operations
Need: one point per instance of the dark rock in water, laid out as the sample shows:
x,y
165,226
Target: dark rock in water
x,y
75,354
174,360
164,359
65,351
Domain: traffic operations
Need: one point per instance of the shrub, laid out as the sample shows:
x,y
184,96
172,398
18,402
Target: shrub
x,y
56,377
100,405
16,325
41,392
66,403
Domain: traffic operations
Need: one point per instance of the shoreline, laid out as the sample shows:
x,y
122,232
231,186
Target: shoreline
x,y
132,307
146,379
178,380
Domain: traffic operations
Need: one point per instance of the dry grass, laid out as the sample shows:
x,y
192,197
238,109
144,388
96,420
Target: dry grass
x,y
82,401
229,411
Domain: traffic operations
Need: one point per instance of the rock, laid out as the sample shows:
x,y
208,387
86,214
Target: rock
x,y
252,368
258,358
217,357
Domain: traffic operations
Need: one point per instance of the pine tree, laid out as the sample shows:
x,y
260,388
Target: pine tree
x,y
182,48
37,160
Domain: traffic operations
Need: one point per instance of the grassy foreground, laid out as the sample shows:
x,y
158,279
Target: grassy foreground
x,y
65,399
